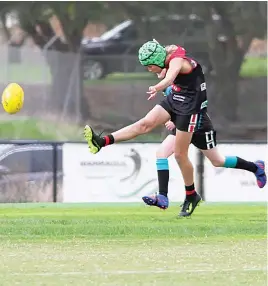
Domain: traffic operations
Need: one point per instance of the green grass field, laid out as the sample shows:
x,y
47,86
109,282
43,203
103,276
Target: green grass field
x,y
72,244
36,129
254,67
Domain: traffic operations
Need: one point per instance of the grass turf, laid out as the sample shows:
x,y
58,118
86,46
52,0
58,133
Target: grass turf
x,y
36,129
254,67
84,244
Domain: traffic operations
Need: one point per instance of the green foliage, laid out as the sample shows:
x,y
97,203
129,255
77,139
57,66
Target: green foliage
x,y
76,14
74,17
239,22
249,12
31,12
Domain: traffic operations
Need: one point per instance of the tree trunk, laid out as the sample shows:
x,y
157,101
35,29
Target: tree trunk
x,y
226,58
67,86
66,95
226,81
225,97
83,102
4,27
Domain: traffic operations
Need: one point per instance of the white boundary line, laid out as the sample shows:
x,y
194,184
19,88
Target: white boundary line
x,y
134,272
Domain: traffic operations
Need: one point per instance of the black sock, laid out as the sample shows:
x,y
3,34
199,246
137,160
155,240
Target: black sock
x,y
163,176
246,165
190,191
107,140
239,163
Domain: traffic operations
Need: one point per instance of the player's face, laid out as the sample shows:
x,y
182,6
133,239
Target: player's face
x,y
154,69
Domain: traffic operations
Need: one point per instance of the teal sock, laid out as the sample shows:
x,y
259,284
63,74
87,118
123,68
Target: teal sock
x,y
238,163
230,162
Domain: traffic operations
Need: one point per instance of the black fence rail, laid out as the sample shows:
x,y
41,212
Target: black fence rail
x,y
32,170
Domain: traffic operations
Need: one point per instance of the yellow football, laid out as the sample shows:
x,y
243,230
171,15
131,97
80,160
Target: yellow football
x,y
13,98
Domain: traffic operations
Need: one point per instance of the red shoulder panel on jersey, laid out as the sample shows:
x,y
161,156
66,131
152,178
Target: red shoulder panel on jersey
x,y
179,53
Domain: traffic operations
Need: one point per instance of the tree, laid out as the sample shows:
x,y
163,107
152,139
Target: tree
x,y
228,38
239,23
64,58
65,62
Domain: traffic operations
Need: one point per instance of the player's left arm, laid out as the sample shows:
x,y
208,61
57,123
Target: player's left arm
x,y
175,66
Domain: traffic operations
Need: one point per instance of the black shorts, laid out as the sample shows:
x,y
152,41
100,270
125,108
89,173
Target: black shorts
x,y
203,140
189,122
204,135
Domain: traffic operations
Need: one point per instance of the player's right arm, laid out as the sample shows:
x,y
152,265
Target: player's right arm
x,y
175,66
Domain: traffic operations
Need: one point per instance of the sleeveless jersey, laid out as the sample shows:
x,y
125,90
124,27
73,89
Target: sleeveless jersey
x,y
188,89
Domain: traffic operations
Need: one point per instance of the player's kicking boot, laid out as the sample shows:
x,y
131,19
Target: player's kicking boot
x,y
192,202
260,174
159,201
94,141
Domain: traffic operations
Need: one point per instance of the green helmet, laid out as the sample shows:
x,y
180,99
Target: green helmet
x,y
152,53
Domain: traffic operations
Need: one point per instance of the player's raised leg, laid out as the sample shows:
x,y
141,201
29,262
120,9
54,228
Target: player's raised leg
x,y
219,160
164,151
157,116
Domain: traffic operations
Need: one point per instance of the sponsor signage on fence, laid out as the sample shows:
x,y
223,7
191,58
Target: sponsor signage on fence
x,y
118,173
233,185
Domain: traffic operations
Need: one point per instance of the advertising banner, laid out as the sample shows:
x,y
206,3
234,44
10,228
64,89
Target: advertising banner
x,y
233,185
118,173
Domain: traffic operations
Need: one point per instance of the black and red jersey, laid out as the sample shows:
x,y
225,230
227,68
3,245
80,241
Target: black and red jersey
x,y
189,89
